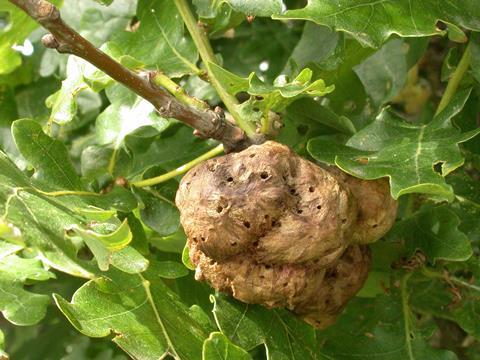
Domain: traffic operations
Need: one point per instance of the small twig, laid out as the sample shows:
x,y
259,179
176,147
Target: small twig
x,y
180,170
176,90
454,81
208,123
206,53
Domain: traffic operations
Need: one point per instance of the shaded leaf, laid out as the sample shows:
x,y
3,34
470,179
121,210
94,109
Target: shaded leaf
x,y
158,212
169,269
63,102
19,306
384,73
218,347
97,22
160,42
434,231
432,296
284,335
388,332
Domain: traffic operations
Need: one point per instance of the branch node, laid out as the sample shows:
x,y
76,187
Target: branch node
x,y
46,10
49,41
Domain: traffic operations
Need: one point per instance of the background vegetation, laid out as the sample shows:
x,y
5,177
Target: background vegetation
x,y
87,263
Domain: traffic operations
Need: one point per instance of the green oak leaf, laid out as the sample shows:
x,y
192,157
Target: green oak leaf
x,y
158,212
404,152
265,97
432,296
64,102
169,269
218,347
256,8
19,306
41,220
217,17
44,217
383,328
250,51
109,244
126,113
372,22
434,231
147,318
333,61
384,73
467,205
160,42
20,25
48,156
97,22
276,96
283,335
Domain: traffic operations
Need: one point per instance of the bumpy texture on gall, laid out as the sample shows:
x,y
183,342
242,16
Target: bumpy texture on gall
x,y
272,228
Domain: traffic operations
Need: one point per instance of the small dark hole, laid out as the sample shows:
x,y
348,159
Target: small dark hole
x,y
311,189
255,243
195,239
264,175
230,179
202,238
374,226
246,224
258,97
319,207
299,211
285,284
262,277
219,209
194,174
252,155
267,266
292,191
266,216
344,221
256,109
212,262
234,244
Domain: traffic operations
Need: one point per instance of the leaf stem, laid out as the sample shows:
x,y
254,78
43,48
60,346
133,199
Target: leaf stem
x,y
176,90
67,193
454,81
180,170
406,314
206,53
435,275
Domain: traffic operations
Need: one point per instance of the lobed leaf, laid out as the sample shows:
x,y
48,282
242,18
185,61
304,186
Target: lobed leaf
x,y
405,153
373,22
19,306
147,318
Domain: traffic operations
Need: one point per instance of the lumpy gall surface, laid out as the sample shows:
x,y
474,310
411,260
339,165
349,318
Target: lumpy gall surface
x,y
272,228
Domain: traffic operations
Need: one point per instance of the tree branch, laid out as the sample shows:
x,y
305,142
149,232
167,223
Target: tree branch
x,y
207,123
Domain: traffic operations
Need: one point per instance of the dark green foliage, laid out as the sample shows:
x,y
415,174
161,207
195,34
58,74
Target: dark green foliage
x,y
82,248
